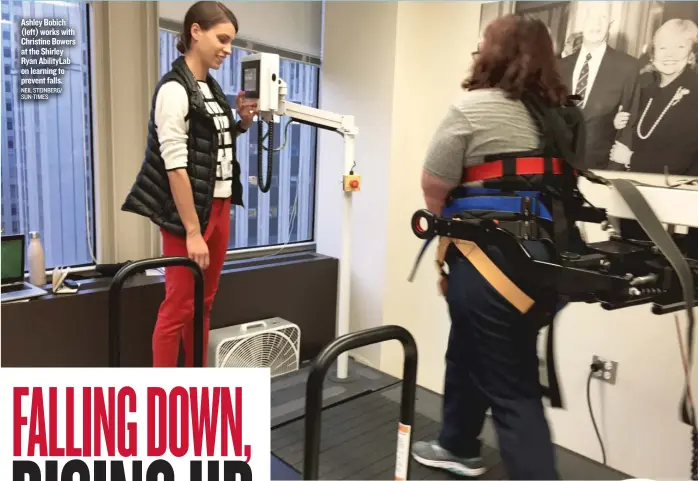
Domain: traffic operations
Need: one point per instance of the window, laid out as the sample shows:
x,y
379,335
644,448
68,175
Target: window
x,y
285,214
46,144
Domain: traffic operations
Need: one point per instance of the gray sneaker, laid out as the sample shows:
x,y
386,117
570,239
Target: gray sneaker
x,y
429,453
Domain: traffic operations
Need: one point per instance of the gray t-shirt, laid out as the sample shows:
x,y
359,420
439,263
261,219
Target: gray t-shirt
x,y
481,122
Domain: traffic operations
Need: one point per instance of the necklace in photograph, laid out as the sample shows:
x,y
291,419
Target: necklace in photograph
x,y
680,92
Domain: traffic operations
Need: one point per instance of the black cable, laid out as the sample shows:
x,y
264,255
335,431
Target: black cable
x,y
596,366
265,186
694,458
690,402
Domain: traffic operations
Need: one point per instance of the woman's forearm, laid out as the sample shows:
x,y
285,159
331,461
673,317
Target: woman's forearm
x,y
434,204
184,200
435,191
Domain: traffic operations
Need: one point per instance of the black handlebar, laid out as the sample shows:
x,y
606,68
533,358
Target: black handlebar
x,y
115,303
316,378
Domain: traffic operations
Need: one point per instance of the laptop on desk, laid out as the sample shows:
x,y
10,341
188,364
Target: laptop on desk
x,y
13,286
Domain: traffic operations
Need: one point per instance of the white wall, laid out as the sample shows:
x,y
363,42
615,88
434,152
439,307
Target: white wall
x,y
124,75
294,26
358,68
433,57
396,66
396,76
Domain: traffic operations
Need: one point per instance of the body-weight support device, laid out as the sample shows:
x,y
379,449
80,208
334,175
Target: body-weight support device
x,y
141,266
642,262
314,388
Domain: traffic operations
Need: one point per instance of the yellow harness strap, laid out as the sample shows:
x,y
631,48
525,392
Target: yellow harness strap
x,y
487,268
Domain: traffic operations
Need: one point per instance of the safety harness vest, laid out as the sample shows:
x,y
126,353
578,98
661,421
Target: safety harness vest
x,y
526,213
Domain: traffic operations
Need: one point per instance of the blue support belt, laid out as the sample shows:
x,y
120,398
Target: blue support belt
x,y
487,199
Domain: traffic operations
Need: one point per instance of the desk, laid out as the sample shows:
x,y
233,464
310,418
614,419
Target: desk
x,y
71,330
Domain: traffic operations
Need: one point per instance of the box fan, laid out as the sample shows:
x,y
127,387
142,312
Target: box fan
x,y
272,343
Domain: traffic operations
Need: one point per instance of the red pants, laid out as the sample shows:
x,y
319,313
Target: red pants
x,y
176,316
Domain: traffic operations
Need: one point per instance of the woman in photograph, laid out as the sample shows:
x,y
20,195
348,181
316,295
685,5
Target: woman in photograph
x,y
665,121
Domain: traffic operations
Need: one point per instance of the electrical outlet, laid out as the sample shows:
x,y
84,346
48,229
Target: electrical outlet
x,y
609,370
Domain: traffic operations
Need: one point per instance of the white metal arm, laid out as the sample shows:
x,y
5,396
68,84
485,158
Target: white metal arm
x,y
676,206
261,81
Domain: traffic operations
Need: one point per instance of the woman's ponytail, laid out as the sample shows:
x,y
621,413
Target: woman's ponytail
x,y
181,46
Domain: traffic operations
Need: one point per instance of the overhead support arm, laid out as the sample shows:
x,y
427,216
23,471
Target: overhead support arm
x,y
261,82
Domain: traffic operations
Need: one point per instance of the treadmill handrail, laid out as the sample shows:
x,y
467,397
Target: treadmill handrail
x,y
142,265
316,378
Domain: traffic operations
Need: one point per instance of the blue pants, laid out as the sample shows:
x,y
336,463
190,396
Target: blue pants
x,y
492,362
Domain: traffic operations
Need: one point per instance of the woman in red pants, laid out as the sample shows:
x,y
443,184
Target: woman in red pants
x,y
190,175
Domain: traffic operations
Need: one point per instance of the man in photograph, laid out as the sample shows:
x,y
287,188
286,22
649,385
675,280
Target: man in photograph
x,y
605,80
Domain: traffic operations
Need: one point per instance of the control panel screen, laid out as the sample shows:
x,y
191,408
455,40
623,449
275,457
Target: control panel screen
x,y
249,80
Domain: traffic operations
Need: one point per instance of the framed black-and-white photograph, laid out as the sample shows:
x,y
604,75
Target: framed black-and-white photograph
x,y
634,66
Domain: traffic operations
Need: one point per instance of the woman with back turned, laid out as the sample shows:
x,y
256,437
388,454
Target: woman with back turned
x,y
190,175
491,358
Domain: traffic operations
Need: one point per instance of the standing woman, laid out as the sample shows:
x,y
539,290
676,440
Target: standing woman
x,y
190,175
491,357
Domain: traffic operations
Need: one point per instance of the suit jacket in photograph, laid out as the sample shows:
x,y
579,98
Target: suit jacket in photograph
x,y
613,86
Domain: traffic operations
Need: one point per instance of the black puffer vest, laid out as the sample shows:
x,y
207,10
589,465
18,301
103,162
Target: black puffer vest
x,y
150,195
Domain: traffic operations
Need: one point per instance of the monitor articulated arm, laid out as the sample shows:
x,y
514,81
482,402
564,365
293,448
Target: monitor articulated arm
x,y
322,119
261,82
342,124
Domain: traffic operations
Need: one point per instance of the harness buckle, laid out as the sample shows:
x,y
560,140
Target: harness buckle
x,y
530,228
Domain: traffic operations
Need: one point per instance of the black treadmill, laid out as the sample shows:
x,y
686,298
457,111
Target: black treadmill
x,y
359,434
322,440
345,429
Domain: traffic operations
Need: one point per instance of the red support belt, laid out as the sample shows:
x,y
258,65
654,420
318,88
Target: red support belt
x,y
524,166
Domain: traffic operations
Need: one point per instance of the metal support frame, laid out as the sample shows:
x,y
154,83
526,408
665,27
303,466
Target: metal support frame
x,y
346,127
314,388
140,266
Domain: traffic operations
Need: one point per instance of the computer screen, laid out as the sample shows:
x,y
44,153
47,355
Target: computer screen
x,y
12,259
249,80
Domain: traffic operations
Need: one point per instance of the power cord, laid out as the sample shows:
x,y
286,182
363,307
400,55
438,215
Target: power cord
x,y
598,366
595,367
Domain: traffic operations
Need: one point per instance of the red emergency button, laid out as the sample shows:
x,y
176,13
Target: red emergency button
x,y
351,183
